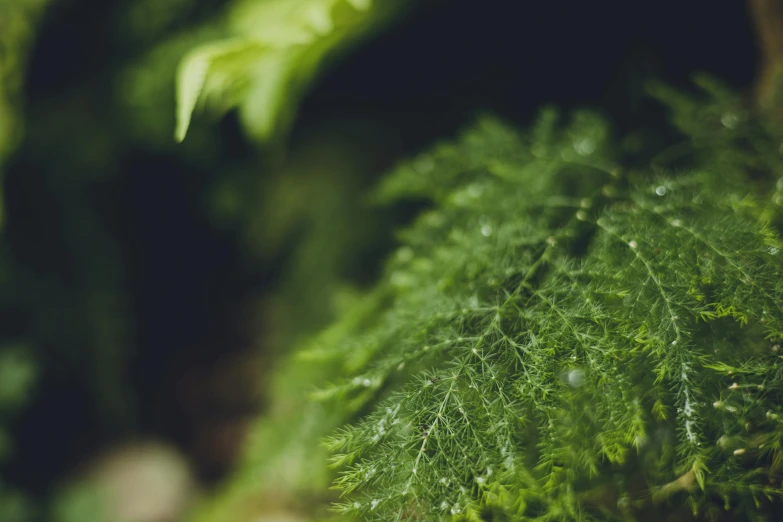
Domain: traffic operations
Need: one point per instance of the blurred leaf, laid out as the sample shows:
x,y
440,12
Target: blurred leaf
x,y
17,376
225,62
14,507
6,444
79,502
279,47
18,21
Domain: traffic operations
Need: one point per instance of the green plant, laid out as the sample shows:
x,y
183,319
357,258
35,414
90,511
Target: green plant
x,y
273,51
569,336
18,374
18,371
18,22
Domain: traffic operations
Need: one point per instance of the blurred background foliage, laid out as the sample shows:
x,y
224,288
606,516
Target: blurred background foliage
x,y
275,50
149,289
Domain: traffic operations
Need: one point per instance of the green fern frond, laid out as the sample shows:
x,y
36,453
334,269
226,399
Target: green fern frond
x,y
567,340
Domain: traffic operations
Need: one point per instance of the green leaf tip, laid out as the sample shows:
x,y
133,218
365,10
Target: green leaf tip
x,y
209,70
191,75
277,50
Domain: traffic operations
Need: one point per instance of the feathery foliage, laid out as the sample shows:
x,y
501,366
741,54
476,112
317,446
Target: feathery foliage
x,y
567,336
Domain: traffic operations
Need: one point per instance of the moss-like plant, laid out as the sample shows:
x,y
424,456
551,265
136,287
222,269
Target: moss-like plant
x,y
569,335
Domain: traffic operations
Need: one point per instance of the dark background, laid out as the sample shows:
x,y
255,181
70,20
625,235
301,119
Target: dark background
x,y
186,281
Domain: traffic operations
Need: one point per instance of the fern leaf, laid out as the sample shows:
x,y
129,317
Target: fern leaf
x,y
565,341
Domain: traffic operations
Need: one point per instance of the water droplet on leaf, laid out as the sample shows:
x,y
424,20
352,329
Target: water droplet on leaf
x,y
576,378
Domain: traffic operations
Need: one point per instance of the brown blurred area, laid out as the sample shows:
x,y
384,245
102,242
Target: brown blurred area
x,y
767,16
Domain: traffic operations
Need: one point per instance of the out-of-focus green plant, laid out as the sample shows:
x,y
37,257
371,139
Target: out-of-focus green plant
x,y
18,374
562,337
17,377
273,51
18,371
14,507
79,501
74,305
18,23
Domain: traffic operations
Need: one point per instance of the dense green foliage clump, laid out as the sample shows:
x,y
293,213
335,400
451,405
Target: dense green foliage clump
x,y
570,333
